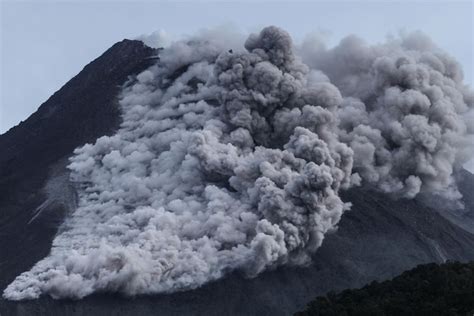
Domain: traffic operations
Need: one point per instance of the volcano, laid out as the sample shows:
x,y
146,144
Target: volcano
x,y
380,236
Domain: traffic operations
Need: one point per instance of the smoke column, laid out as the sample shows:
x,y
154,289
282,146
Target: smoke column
x,y
233,159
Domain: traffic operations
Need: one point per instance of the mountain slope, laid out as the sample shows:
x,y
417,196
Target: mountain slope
x,y
84,109
377,239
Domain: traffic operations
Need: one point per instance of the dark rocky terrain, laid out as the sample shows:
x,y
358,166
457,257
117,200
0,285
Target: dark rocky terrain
x,y
378,239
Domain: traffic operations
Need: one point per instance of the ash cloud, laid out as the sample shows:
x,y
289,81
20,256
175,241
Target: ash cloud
x,y
407,114
233,159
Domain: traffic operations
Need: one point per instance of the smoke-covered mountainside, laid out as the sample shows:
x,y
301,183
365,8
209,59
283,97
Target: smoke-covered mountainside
x,y
84,109
429,289
238,178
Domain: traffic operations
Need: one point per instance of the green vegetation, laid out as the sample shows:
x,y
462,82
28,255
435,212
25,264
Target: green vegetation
x,y
429,289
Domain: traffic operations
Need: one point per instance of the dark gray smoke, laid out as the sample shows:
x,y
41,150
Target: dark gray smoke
x,y
232,160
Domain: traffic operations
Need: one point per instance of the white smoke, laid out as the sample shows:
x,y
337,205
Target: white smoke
x,y
232,160
157,39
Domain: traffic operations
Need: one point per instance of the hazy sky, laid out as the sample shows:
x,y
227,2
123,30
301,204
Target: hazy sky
x,y
44,44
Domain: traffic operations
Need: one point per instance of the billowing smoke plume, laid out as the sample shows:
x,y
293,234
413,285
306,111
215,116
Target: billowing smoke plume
x,y
232,160
407,115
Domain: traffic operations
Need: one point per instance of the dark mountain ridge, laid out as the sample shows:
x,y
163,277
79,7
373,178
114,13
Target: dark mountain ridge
x,y
378,239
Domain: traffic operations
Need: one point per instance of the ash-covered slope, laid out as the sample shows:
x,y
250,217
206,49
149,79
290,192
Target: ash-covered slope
x,y
83,109
379,237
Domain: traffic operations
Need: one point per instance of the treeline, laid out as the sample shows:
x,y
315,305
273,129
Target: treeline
x,y
430,289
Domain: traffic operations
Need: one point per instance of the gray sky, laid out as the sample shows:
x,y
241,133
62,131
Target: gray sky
x,y
44,44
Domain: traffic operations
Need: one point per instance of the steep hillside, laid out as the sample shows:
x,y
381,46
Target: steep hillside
x,y
378,239
84,109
